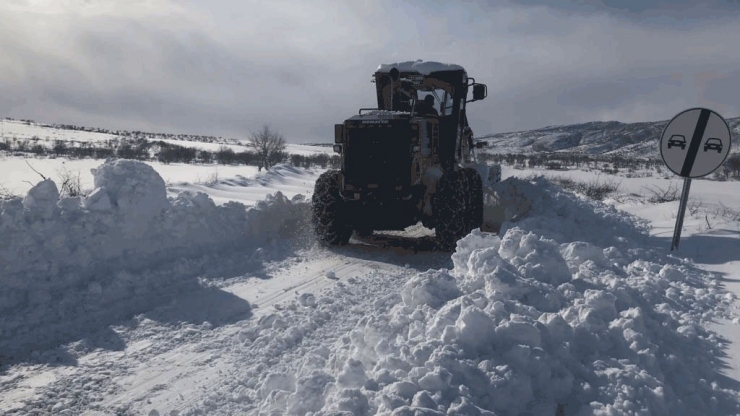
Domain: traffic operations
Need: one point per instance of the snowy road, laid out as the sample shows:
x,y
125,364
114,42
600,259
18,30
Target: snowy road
x,y
289,310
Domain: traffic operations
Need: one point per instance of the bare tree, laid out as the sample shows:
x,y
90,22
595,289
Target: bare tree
x,y
6,193
268,144
658,195
71,183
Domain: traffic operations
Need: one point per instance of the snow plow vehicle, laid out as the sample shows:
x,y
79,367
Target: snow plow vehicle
x,y
411,159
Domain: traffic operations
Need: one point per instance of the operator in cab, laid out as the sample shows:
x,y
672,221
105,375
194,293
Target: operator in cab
x,y
426,107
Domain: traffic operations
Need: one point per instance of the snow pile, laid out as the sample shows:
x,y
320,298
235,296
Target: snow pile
x,y
61,256
571,309
251,187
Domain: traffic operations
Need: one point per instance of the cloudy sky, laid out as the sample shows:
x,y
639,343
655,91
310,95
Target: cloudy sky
x,y
225,67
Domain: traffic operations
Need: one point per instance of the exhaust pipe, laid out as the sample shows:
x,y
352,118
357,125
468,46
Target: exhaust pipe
x,y
394,73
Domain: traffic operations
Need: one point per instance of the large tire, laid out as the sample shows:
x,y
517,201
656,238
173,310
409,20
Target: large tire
x,y
450,205
474,190
329,211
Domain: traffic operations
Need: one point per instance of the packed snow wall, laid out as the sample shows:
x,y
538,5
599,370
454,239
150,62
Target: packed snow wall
x,y
59,257
572,309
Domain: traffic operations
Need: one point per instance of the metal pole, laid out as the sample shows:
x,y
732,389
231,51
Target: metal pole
x,y
681,213
392,94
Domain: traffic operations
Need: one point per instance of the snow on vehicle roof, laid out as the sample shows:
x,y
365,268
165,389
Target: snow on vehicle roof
x,y
422,67
385,113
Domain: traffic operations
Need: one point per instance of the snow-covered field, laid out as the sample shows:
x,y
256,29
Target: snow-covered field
x,y
222,182
17,174
138,299
18,130
13,130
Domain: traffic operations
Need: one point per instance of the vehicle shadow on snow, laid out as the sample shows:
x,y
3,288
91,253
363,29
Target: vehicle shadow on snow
x,y
98,331
65,352
207,304
398,248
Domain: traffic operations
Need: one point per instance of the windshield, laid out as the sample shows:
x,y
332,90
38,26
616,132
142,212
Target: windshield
x,y
442,100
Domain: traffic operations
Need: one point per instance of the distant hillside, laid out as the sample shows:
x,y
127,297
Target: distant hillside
x,y
598,137
13,133
594,138
19,129
27,138
11,128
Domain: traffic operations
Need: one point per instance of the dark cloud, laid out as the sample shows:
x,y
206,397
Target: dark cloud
x,y
657,12
721,90
226,68
611,93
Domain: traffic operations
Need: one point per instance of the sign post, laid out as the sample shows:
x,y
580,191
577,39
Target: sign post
x,y
693,144
681,213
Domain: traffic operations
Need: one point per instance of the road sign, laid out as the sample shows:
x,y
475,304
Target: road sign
x,y
695,143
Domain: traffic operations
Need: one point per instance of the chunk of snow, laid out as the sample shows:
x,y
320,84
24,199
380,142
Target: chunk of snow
x,y
41,200
135,190
307,299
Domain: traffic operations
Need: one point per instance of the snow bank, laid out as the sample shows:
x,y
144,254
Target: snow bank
x,y
61,256
571,308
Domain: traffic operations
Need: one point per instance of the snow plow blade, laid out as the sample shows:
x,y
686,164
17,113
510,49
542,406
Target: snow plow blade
x,y
503,201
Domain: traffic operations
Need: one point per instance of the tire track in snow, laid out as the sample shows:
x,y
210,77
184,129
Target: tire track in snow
x,y
286,344
235,389
156,354
179,367
191,371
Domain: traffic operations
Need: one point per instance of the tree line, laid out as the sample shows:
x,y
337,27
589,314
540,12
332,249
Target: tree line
x,y
556,160
131,134
267,148
612,163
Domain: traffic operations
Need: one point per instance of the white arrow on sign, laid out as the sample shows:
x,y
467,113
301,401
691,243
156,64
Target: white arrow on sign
x,y
695,143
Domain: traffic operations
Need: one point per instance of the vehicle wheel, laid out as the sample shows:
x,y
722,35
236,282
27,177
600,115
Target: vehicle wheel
x,y
328,210
474,199
449,204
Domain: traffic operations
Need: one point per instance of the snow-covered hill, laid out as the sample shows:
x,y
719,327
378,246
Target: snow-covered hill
x,y
595,138
628,139
127,301
48,134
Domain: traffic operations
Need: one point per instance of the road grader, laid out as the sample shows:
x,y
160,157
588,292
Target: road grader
x,y
403,162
